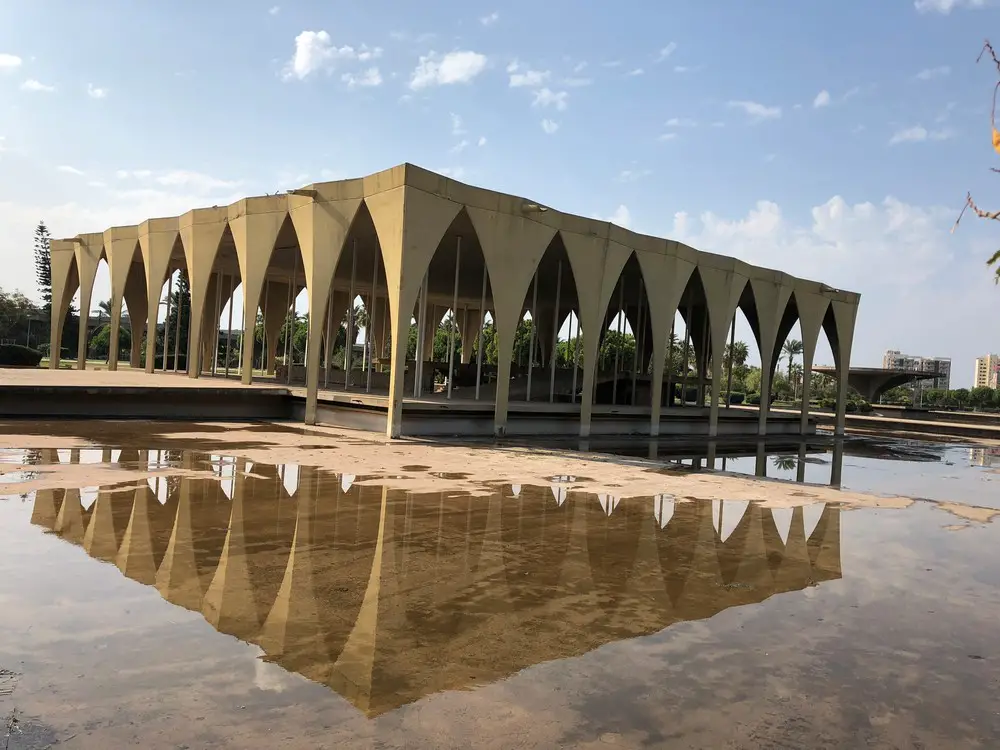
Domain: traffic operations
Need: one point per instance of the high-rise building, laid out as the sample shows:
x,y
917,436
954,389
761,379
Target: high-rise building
x,y
987,372
938,369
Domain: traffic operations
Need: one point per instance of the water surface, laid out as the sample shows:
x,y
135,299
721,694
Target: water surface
x,y
254,605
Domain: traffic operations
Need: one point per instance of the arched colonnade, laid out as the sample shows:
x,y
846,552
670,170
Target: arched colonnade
x,y
409,240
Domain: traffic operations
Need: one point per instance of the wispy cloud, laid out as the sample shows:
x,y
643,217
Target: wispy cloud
x,y
919,134
455,67
666,52
275,10
756,110
681,122
368,78
636,72
945,7
457,125
70,170
546,97
822,99
490,19
550,126
632,175
96,92
929,74
32,85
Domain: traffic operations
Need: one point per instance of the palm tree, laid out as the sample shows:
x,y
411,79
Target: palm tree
x,y
995,261
791,349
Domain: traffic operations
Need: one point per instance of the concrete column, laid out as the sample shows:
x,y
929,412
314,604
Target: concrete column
x,y
322,223
812,310
156,240
120,247
771,298
504,236
255,224
65,280
723,289
201,232
844,314
470,335
667,273
135,300
88,256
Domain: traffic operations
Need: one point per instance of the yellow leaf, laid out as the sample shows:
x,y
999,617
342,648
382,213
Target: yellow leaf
x,y
996,140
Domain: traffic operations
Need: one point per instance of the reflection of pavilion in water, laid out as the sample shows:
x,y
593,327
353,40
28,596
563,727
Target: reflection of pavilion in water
x,y
984,457
387,596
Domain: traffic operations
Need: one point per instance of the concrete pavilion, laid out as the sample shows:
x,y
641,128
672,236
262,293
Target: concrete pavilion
x,y
413,244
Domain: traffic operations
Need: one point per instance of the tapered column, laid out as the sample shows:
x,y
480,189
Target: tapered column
x,y
723,289
255,224
322,226
120,246
65,280
845,314
156,240
812,310
201,232
88,255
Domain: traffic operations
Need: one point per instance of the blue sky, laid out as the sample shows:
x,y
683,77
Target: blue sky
x,y
832,140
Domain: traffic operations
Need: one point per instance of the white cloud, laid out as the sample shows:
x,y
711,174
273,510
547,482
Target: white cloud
x,y
946,6
756,110
858,247
491,19
3,140
549,126
632,175
366,53
580,66
667,137
32,85
455,67
611,64
457,126
97,184
666,52
529,78
455,173
9,62
576,82
315,51
482,141
70,170
370,77
636,72
196,182
919,134
95,92
275,10
929,74
621,217
459,147
682,69
822,99
681,122
545,97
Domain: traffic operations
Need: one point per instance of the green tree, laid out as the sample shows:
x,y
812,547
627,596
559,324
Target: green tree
x,y
43,266
791,349
15,312
980,398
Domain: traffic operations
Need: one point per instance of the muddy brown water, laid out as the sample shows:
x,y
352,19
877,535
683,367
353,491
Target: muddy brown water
x,y
222,602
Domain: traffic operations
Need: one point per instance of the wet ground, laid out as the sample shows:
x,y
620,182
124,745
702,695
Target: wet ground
x,y
192,598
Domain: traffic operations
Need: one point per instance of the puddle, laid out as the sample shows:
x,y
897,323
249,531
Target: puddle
x,y
257,603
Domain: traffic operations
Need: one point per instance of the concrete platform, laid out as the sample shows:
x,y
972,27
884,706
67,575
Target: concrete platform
x,y
135,394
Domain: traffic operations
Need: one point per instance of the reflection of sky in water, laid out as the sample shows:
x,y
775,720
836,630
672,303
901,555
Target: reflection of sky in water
x,y
953,473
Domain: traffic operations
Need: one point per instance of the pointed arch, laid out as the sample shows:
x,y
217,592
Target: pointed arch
x,y
358,290
624,356
450,319
552,301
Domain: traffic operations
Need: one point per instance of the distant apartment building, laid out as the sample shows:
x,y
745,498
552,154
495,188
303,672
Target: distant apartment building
x,y
987,372
938,369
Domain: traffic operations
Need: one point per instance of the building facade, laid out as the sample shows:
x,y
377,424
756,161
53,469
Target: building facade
x,y
938,369
987,373
412,245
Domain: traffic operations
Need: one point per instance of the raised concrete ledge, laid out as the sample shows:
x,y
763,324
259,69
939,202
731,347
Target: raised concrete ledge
x,y
136,402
